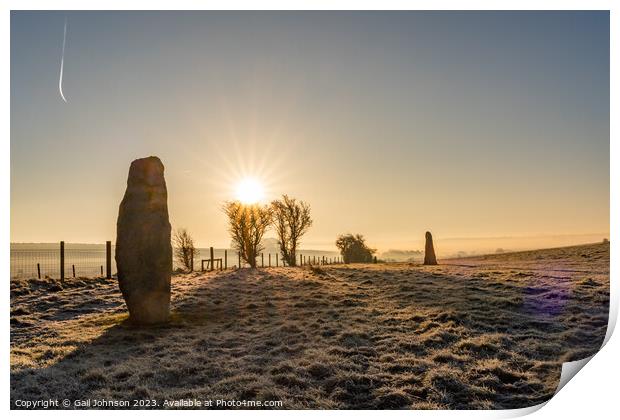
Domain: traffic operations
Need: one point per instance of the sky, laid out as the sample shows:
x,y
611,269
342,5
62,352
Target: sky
x,y
482,127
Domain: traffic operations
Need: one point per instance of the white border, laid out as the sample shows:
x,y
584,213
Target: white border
x,y
310,5
591,395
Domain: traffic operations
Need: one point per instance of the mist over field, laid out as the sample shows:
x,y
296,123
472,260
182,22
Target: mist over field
x,y
447,247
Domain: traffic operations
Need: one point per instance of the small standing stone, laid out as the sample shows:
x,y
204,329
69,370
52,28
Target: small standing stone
x,y
429,251
143,249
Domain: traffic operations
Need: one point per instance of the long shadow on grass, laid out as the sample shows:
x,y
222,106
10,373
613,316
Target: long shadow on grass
x,y
338,339
225,335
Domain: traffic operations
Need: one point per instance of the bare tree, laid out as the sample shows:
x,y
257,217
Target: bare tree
x,y
184,249
291,219
247,224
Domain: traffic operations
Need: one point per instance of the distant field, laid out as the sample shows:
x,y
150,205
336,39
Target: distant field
x,y
484,332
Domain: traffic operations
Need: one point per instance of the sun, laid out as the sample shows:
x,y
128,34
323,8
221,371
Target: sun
x,y
249,191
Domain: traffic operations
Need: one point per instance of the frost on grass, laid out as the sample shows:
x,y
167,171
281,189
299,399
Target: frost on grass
x,y
486,332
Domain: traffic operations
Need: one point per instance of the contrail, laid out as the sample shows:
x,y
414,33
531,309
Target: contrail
x,y
62,62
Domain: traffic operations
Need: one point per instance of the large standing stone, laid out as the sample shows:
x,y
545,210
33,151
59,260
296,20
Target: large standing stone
x,y
429,251
143,249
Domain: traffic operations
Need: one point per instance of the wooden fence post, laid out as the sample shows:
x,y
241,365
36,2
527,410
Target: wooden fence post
x,y
101,271
270,259
225,259
276,260
262,259
62,260
39,270
211,256
73,268
301,259
108,259
191,261
239,258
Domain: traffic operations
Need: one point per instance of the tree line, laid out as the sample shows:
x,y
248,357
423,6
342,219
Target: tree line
x,y
290,219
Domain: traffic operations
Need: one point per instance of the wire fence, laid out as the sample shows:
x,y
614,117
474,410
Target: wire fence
x,y
91,260
228,258
41,263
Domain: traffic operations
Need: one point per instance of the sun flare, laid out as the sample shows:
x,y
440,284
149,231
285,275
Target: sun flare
x,y
249,191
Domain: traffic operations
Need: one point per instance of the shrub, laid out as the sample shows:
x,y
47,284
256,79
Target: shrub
x,y
353,249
